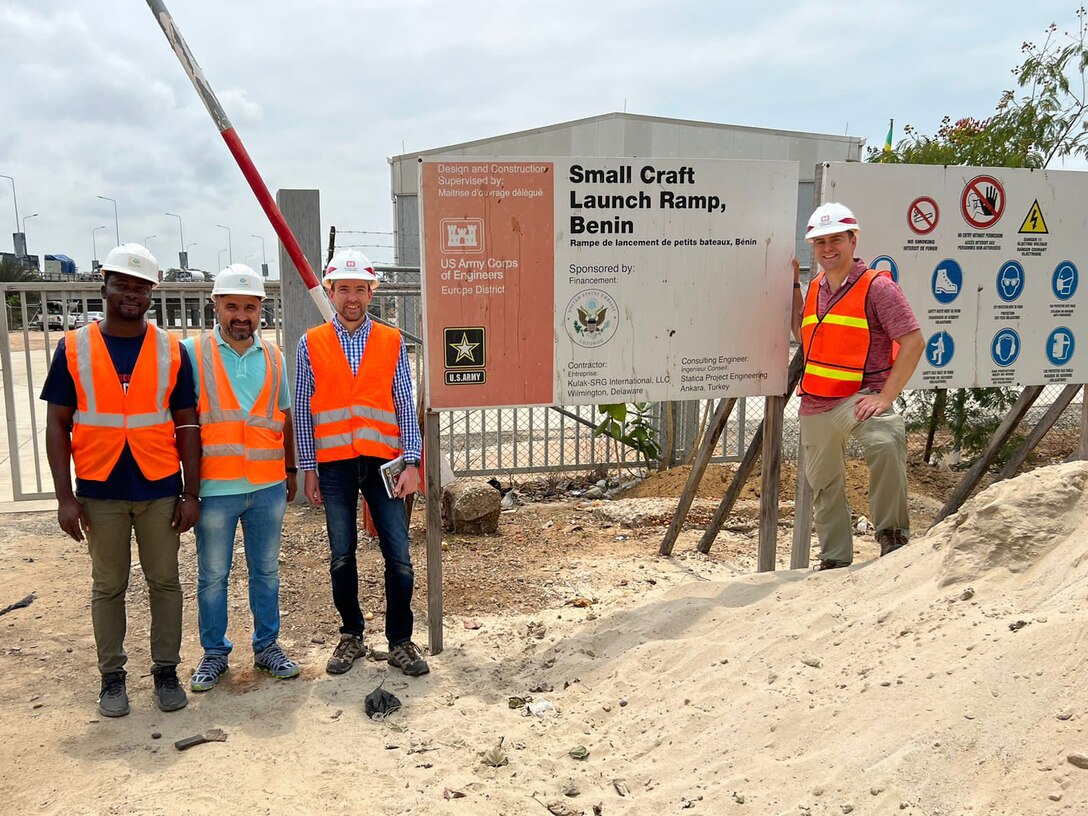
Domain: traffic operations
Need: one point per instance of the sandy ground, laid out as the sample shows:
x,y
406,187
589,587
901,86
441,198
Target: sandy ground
x,y
947,678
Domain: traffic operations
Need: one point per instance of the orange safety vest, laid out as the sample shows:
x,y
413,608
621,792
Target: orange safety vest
x,y
236,443
354,416
837,345
107,417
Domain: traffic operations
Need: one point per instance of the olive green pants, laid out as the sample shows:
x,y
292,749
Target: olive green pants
x,y
109,541
884,443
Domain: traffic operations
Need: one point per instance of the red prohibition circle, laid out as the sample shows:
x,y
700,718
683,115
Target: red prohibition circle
x,y
920,218
997,207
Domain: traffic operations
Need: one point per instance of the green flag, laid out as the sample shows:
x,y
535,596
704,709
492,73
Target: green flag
x,y
888,140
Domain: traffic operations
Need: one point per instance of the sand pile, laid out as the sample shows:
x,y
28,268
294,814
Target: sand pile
x,y
948,678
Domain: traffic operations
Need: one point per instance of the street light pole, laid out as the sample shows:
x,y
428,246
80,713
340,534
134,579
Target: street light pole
x,y
116,224
15,201
25,217
147,240
94,245
230,244
183,259
264,255
221,260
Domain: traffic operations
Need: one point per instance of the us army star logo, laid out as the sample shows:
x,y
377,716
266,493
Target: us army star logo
x,y
464,347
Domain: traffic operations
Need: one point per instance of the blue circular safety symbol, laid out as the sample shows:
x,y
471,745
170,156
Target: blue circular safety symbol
x,y
1064,281
1005,347
939,349
947,281
885,262
1010,281
1059,346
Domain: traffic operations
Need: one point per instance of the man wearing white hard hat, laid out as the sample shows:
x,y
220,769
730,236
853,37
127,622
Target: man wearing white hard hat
x,y
355,413
122,408
247,473
861,343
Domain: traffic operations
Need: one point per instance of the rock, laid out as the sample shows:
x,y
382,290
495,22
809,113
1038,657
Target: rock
x,y
471,506
1078,760
1055,797
593,493
602,483
811,661
1065,715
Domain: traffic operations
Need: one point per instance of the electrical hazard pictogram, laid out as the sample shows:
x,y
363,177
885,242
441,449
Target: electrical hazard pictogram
x,y
1034,224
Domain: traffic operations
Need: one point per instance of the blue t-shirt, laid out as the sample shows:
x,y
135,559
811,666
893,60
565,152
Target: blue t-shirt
x,y
126,481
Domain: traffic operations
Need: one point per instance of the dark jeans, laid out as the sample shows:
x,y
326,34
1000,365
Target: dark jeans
x,y
341,483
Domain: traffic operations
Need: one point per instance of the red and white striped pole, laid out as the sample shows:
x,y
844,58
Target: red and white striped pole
x,y
238,150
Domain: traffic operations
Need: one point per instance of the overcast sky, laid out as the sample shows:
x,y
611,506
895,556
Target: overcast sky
x,y
322,92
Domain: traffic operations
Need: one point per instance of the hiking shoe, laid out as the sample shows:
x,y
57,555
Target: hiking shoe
x,y
272,660
830,565
348,650
168,691
407,657
207,672
113,698
890,541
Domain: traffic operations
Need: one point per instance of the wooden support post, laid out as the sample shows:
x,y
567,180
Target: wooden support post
x,y
1040,430
802,515
1084,424
971,479
433,454
773,408
698,468
744,470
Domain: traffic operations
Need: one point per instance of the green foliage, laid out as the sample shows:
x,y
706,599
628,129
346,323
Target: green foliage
x,y
631,424
966,421
1042,119
12,271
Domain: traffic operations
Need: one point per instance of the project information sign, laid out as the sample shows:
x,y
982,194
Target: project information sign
x,y
990,259
580,281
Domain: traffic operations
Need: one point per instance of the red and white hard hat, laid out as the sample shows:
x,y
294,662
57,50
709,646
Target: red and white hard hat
x,y
829,218
350,264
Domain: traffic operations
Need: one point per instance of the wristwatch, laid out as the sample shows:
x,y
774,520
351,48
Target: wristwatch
x,y
411,462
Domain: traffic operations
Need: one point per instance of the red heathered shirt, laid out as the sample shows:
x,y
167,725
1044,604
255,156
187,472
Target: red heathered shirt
x,y
889,316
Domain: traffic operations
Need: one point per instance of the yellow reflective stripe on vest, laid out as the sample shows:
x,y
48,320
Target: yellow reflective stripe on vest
x,y
833,373
844,320
360,411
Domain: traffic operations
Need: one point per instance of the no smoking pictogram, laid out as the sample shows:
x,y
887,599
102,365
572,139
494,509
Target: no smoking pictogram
x,y
982,202
922,215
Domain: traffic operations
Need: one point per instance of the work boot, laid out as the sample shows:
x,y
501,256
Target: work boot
x,y
407,657
830,565
890,541
168,691
113,698
348,650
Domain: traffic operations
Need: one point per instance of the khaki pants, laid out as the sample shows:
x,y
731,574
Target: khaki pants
x,y
109,541
884,442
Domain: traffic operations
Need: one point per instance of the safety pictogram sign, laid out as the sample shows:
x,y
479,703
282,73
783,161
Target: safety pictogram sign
x,y
922,215
982,202
1034,224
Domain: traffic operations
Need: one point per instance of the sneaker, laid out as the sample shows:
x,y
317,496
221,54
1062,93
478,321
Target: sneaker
x,y
407,657
113,699
207,672
348,650
830,565
168,691
890,541
272,660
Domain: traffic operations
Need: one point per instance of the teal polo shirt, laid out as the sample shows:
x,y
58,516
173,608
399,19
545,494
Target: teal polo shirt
x,y
246,375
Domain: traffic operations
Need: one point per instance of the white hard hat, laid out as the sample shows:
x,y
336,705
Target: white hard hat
x,y
827,219
238,279
350,264
132,259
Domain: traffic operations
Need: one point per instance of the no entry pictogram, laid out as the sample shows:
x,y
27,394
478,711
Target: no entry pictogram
x,y
922,215
982,202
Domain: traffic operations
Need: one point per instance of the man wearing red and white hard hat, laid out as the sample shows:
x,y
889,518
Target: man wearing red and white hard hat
x,y
355,414
862,343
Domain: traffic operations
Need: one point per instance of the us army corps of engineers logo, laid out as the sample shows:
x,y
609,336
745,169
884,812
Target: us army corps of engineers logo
x,y
591,318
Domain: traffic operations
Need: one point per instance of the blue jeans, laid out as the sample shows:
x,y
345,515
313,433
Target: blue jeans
x,y
261,513
341,483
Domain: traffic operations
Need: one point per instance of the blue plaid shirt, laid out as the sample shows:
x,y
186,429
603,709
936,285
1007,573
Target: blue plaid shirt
x,y
353,345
